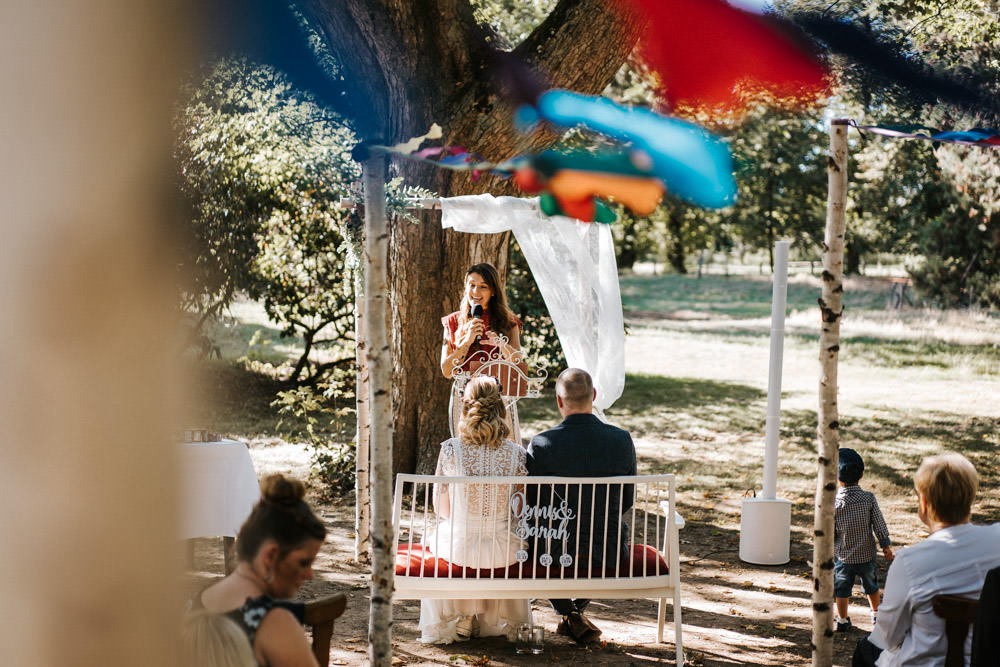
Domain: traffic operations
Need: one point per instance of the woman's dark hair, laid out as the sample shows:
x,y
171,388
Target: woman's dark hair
x,y
281,515
502,319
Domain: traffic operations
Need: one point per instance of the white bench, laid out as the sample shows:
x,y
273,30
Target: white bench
x,y
652,571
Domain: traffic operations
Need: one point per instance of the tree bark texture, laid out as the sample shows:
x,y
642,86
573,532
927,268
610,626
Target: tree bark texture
x,y
416,308
676,255
831,309
362,454
380,375
411,63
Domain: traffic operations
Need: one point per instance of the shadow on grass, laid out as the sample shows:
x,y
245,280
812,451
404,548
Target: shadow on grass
x,y
657,405
711,435
894,353
236,401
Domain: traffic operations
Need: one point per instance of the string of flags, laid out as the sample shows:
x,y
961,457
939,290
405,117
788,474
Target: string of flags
x,y
977,136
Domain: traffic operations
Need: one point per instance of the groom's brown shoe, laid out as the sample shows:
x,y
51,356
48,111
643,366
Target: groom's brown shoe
x,y
579,627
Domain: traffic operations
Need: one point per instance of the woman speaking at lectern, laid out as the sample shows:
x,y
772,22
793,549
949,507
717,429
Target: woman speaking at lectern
x,y
483,324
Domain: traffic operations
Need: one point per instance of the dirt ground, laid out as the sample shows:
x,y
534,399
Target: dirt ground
x,y
734,613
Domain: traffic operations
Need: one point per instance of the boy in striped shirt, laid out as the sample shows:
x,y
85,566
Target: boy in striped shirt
x,y
856,517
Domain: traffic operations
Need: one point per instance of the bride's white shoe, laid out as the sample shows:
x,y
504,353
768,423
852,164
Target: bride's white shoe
x,y
467,627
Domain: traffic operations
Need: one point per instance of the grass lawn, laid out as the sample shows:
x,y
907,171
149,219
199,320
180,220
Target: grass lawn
x,y
912,382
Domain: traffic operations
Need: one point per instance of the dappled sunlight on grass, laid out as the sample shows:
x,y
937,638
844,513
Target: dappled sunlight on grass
x,y
974,359
893,442
658,405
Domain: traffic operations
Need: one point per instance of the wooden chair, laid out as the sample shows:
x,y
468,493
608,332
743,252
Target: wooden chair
x,y
320,615
958,614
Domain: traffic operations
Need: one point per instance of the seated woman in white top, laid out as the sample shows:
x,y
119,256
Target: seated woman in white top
x,y
475,529
952,560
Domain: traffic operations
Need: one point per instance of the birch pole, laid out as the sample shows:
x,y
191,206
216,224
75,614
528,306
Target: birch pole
x,y
831,308
362,457
380,434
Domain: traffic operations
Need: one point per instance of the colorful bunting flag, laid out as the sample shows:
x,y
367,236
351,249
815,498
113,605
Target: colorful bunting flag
x,y
977,136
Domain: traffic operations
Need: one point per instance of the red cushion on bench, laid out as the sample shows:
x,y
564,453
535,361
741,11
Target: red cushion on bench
x,y
419,561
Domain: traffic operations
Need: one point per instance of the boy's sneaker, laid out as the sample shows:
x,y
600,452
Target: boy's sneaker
x,y
843,624
874,614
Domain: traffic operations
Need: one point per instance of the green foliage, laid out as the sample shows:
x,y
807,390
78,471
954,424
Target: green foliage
x,y
961,264
959,242
263,169
781,175
511,20
315,413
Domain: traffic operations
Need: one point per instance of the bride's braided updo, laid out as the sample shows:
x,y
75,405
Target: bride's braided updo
x,y
483,413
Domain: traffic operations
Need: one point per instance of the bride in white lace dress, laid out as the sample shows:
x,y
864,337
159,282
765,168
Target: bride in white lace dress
x,y
475,529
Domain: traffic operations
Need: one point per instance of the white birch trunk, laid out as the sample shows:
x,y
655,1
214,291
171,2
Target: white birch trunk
x,y
362,488
831,308
380,373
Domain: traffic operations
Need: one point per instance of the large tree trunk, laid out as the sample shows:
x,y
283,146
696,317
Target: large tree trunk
x,y
676,255
428,269
416,62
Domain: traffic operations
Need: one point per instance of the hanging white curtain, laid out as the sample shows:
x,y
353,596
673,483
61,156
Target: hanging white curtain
x,y
573,264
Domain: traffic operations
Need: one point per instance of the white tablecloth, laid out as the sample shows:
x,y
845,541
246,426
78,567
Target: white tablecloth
x,y
218,488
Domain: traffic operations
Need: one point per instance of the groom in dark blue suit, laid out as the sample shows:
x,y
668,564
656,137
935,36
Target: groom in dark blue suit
x,y
584,446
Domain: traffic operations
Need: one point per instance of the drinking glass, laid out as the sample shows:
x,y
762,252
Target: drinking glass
x,y
530,639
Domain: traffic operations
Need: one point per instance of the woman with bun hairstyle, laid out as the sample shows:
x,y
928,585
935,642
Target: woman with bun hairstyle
x,y
465,334
475,529
275,550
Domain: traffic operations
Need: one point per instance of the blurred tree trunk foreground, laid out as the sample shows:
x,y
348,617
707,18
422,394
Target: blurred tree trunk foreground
x,y
409,64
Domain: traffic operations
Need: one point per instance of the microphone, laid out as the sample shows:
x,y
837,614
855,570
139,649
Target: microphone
x,y
477,313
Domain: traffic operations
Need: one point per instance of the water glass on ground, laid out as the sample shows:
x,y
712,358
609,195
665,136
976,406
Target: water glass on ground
x,y
530,639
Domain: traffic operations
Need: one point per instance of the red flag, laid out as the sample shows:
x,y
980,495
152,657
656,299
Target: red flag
x,y
716,58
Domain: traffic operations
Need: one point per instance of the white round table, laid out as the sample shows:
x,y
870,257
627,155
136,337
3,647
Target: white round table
x,y
219,488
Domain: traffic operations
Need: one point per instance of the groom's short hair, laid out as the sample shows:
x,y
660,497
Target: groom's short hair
x,y
575,387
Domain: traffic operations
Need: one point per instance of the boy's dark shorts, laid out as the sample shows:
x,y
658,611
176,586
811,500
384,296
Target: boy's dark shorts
x,y
844,573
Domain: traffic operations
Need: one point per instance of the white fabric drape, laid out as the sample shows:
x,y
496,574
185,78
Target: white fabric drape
x,y
573,264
